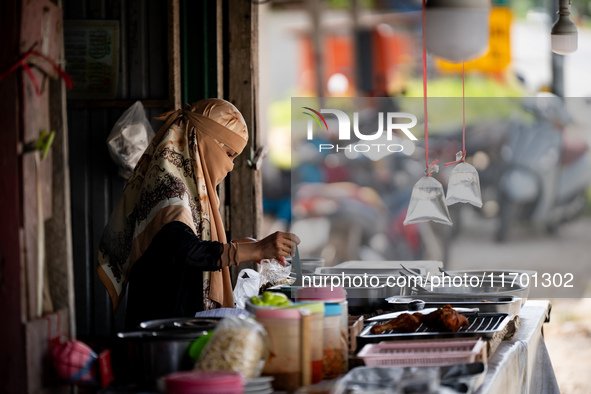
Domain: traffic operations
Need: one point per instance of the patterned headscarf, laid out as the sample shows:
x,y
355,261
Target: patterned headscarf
x,y
175,180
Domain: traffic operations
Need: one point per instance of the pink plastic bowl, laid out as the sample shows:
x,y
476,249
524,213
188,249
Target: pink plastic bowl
x,y
204,382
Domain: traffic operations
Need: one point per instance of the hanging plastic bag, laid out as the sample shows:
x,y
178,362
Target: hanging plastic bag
x,y
129,138
427,202
247,286
464,186
237,345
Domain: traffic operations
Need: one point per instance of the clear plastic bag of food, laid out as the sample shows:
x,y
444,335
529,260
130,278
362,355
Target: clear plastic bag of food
x,y
464,186
427,202
238,345
129,138
273,273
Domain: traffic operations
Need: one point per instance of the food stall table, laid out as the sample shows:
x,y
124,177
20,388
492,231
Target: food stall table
x,y
522,365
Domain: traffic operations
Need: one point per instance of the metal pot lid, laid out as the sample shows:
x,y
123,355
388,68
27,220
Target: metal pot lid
x,y
182,324
163,335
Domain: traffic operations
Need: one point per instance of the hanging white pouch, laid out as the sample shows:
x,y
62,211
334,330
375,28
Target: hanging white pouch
x,y
464,186
427,203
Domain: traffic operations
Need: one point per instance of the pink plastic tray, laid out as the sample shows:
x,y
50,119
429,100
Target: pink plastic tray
x,y
422,354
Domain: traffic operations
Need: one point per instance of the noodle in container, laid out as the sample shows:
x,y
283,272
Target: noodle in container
x,y
237,345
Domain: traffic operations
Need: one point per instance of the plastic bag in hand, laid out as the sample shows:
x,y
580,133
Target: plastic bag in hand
x,y
427,202
464,186
247,286
274,273
129,138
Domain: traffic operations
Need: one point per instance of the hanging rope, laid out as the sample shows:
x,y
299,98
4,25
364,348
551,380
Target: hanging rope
x,y
431,168
461,156
24,62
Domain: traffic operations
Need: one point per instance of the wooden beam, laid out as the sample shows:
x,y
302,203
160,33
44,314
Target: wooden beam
x,y
315,12
174,54
58,234
241,84
220,46
241,75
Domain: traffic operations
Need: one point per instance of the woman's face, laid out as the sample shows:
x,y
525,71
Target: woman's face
x,y
231,154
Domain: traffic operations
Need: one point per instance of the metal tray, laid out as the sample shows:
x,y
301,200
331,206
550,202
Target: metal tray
x,y
508,304
481,325
429,266
497,289
360,271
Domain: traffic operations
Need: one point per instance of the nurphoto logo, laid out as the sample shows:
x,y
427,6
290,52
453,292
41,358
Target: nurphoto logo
x,y
382,141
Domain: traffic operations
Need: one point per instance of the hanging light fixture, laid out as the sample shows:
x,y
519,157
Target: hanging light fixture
x,y
564,31
458,30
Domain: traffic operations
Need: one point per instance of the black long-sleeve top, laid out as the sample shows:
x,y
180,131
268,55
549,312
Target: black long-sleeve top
x,y
167,281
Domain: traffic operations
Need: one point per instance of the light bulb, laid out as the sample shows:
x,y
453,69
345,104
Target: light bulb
x,y
457,30
564,34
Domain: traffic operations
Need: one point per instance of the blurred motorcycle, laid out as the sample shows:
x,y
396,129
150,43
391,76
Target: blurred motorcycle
x,y
547,170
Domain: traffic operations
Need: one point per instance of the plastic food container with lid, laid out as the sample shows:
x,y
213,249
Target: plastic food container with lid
x,y
316,335
328,295
334,348
283,328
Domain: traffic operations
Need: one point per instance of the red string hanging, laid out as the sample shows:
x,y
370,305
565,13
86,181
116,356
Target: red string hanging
x,y
24,63
429,169
463,158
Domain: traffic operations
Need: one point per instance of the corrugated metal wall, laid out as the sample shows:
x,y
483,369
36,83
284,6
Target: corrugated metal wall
x,y
95,184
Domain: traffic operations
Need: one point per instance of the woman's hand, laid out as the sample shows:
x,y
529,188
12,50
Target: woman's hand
x,y
276,246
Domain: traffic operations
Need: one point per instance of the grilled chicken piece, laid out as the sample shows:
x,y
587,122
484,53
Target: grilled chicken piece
x,y
444,319
403,323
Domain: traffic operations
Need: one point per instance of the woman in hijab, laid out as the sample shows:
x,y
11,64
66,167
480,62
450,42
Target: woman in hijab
x,y
165,240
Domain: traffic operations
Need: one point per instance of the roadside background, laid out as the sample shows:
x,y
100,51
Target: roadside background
x,y
288,63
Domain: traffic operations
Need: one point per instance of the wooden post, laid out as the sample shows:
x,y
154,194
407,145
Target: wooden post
x,y
240,86
315,12
174,54
58,235
241,76
219,33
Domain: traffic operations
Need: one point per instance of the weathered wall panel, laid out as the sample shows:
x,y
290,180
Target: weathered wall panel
x,y
95,184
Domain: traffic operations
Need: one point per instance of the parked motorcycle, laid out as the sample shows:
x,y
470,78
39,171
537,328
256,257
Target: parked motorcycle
x,y
547,170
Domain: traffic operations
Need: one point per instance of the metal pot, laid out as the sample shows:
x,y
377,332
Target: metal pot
x,y
154,353
365,299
